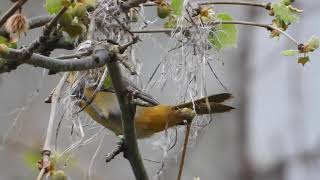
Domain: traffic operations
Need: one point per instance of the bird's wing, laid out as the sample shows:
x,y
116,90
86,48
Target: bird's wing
x,y
136,91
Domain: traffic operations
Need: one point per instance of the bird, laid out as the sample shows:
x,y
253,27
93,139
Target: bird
x,y
103,107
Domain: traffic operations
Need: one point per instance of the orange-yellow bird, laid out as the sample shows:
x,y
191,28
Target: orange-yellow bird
x,y
105,110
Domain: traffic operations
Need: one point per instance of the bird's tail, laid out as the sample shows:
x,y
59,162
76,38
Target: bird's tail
x,y
208,105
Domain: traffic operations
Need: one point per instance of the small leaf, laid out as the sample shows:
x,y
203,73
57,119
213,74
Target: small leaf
x,y
283,13
290,52
58,175
66,19
107,83
163,11
3,40
224,35
171,23
10,44
79,10
286,2
53,6
3,49
30,159
207,15
176,6
75,28
313,44
303,60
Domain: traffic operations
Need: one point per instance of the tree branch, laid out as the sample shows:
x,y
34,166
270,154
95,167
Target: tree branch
x,y
131,151
45,37
17,5
18,57
126,5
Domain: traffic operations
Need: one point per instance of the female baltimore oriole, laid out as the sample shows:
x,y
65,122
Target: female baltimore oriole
x,y
104,109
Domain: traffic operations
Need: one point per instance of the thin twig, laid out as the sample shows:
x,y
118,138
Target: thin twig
x,y
58,129
247,23
125,62
122,25
152,31
46,151
94,156
217,78
241,3
118,149
53,22
126,5
184,150
11,11
46,31
98,88
92,26
134,40
267,26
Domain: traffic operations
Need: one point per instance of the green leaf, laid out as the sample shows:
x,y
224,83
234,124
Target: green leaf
x,y
58,175
107,83
5,41
75,28
224,35
30,159
313,43
290,52
284,13
66,19
171,23
79,10
286,2
303,60
53,6
176,6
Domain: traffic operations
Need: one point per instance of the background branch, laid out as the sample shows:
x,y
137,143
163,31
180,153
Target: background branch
x,y
46,151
